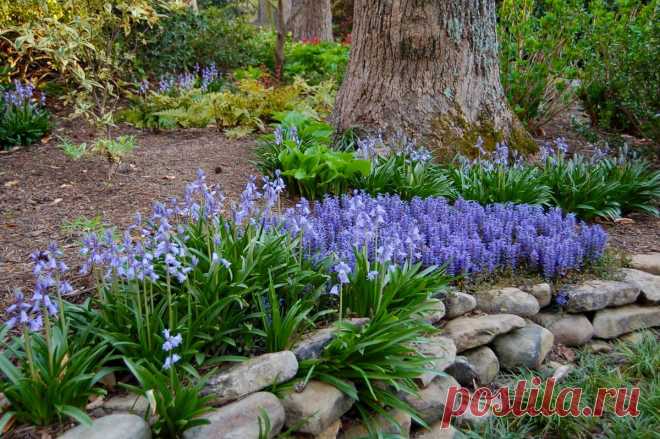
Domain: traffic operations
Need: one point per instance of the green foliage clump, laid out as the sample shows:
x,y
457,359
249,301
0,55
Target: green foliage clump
x,y
500,184
23,121
403,174
316,62
214,35
54,379
539,55
621,80
237,110
318,170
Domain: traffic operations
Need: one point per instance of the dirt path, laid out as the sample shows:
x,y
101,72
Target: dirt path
x,y
41,189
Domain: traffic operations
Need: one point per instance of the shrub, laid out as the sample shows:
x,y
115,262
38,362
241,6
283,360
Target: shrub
x,y
23,118
540,53
214,35
316,62
466,238
620,81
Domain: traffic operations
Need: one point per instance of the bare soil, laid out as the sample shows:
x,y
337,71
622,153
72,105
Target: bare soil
x,y
41,189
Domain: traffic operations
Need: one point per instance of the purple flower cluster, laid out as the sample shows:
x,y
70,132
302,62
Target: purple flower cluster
x,y
22,95
48,271
467,237
187,80
171,343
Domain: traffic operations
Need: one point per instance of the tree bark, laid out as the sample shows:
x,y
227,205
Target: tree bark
x,y
281,39
311,20
427,69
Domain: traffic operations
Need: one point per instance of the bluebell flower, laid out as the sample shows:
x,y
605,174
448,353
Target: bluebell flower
x,y
171,360
171,341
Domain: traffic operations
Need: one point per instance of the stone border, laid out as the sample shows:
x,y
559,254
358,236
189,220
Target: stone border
x,y
482,333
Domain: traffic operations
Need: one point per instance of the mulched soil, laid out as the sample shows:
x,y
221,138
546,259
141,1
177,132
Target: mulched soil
x,y
41,189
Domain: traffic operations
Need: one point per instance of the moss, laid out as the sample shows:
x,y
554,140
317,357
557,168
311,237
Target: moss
x,y
452,134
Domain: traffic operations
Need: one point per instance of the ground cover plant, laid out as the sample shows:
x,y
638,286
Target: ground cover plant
x,y
23,117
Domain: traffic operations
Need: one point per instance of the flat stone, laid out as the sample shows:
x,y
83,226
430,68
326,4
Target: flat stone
x,y
119,426
599,347
435,313
633,338
443,350
484,362
464,372
311,346
568,329
129,403
648,284
436,431
251,376
459,303
431,400
400,428
330,432
646,262
524,347
598,294
507,300
542,293
316,408
242,419
472,332
611,323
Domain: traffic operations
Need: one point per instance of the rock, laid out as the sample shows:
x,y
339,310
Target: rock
x,y
507,300
568,329
436,313
599,347
542,293
561,372
648,284
632,338
251,376
430,402
129,403
312,345
524,347
400,428
459,303
646,262
119,426
598,294
316,408
610,323
471,332
330,432
436,431
483,362
443,350
464,372
242,419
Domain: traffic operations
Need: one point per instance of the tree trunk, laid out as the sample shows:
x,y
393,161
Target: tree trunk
x,y
311,20
267,13
428,69
281,39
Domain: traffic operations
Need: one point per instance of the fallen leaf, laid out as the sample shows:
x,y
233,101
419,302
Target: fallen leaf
x,y
624,221
56,201
65,185
169,177
11,183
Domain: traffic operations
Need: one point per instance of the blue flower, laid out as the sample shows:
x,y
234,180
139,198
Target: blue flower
x,y
171,341
171,360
